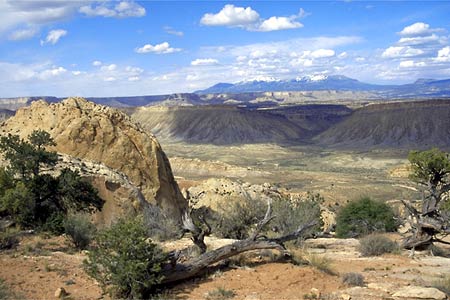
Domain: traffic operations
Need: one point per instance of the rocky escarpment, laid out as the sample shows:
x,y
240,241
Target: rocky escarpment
x,y
415,124
219,125
83,129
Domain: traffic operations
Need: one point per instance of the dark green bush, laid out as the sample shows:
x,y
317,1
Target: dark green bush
x,y
363,217
376,244
18,202
125,262
8,239
80,230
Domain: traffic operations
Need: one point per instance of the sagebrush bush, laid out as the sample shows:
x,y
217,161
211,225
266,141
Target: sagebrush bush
x,y
353,279
8,239
376,244
160,225
80,230
125,261
220,294
5,292
321,263
365,216
235,220
289,215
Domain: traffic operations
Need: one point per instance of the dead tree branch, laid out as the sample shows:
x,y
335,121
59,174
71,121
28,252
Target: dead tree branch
x,y
193,267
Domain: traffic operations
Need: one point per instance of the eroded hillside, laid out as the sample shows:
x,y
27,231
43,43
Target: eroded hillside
x,y
223,125
409,125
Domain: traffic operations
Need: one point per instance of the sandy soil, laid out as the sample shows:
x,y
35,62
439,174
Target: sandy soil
x,y
40,266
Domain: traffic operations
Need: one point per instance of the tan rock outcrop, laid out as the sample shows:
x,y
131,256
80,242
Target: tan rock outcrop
x,y
86,130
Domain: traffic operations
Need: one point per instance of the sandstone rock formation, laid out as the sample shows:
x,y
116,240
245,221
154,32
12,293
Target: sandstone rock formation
x,y
89,131
120,195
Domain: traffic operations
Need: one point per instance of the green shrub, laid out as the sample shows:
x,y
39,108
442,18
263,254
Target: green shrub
x,y
18,201
220,294
54,224
6,293
8,239
125,261
376,244
80,230
353,279
363,217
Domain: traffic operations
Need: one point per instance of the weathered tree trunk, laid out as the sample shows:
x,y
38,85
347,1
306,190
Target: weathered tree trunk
x,y
195,266
181,271
426,225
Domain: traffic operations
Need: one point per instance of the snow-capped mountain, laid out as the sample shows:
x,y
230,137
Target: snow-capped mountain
x,y
321,82
303,83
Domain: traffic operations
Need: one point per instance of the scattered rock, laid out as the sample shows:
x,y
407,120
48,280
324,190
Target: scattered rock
x,y
60,293
418,292
346,297
315,293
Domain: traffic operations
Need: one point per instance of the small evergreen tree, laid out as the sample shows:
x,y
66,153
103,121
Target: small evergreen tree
x,y
40,200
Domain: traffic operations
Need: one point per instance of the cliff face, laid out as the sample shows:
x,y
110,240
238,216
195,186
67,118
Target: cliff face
x,y
420,124
86,130
219,125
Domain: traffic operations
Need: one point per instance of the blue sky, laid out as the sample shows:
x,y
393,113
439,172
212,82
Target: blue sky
x,y
120,48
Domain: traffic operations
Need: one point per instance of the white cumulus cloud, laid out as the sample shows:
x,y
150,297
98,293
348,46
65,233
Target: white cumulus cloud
x,y
110,67
163,48
53,36
96,63
400,51
231,15
123,9
322,53
279,23
53,72
249,19
443,55
204,62
411,64
418,29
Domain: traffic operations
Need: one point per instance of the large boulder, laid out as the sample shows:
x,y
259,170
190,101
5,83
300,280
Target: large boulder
x,y
86,130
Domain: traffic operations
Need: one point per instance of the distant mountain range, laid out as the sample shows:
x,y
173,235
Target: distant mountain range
x,y
336,89
420,88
